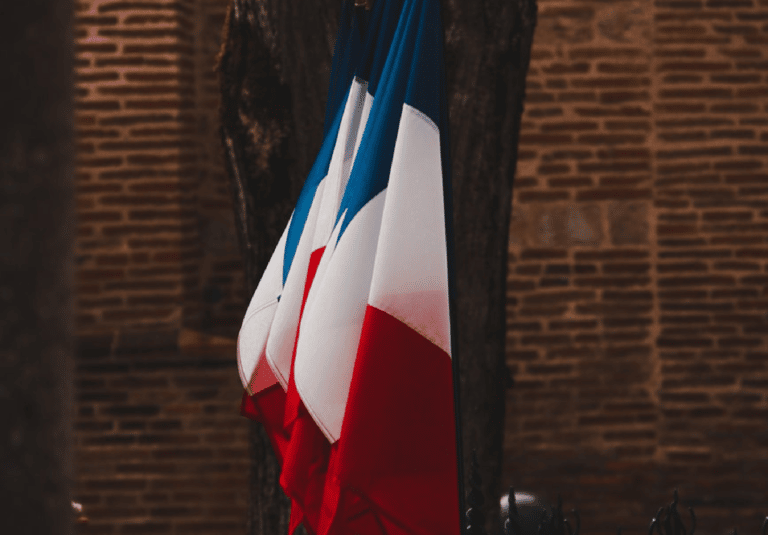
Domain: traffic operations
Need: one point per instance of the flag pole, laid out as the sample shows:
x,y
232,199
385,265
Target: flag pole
x,y
450,246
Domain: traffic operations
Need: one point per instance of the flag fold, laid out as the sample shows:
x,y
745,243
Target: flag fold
x,y
345,348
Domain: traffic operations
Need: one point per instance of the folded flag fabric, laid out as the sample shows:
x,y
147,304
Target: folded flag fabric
x,y
345,349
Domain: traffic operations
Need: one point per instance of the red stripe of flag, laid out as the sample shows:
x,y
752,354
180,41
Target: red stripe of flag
x,y
300,446
394,470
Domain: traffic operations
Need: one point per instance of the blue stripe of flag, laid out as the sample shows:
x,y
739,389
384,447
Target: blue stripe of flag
x,y
308,191
347,57
411,74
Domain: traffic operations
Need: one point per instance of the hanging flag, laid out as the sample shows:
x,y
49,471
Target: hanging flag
x,y
345,350
266,342
291,256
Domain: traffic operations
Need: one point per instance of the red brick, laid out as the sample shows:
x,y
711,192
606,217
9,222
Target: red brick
x,y
681,267
542,196
623,111
148,34
571,182
613,194
150,19
615,97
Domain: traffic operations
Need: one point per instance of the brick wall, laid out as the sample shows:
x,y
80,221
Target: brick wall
x,y
161,447
138,241
157,248
160,444
637,286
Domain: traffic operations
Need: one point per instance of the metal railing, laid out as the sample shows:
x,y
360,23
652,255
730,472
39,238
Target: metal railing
x,y
537,520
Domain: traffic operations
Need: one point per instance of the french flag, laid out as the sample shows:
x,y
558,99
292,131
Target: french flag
x,y
345,349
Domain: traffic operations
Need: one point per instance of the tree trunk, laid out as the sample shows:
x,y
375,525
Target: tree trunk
x,y
275,67
488,47
36,267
